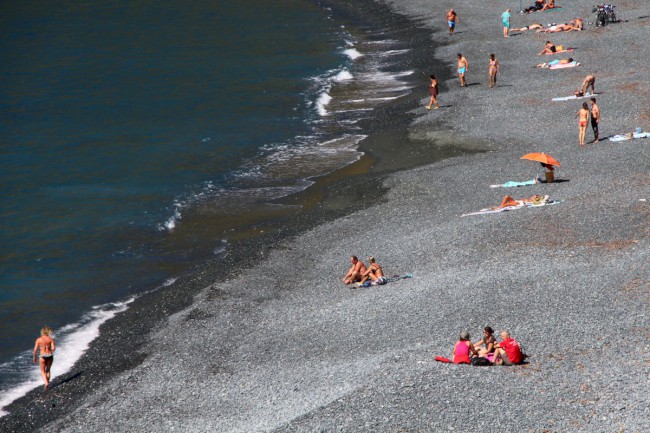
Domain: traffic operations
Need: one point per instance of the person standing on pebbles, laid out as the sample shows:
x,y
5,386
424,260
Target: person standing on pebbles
x,y
505,20
452,19
45,344
433,93
595,118
494,70
463,66
583,118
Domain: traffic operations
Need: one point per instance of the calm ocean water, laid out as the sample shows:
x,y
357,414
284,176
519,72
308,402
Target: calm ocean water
x,y
136,134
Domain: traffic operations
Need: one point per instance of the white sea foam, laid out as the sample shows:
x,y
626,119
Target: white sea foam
x,y
170,223
343,76
322,101
220,248
72,342
352,53
169,281
393,52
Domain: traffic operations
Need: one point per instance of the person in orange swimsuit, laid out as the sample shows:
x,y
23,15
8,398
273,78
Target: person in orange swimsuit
x,y
583,118
45,345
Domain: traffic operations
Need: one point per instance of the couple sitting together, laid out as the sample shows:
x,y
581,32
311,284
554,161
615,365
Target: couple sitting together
x,y
358,275
506,352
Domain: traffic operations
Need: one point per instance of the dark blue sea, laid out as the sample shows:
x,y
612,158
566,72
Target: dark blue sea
x,y
136,136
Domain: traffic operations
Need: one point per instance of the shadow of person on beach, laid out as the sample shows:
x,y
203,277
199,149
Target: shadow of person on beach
x,y
473,84
65,380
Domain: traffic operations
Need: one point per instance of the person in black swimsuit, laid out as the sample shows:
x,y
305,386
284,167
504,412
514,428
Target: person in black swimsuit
x,y
45,344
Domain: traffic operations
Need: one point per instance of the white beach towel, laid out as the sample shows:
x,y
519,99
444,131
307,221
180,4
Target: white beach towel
x,y
509,208
572,97
625,137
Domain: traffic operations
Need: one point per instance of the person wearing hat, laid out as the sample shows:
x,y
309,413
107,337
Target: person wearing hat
x,y
462,349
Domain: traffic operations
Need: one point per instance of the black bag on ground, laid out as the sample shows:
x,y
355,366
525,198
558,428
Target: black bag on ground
x,y
481,362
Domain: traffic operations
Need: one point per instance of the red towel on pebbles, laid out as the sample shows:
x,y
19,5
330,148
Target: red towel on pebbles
x,y
442,359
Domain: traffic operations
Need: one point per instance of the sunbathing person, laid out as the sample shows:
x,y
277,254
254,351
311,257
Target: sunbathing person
x,y
356,270
549,48
374,273
526,28
462,349
510,202
566,27
549,5
538,6
555,62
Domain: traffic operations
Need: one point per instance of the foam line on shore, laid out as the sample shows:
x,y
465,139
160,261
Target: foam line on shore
x,y
72,342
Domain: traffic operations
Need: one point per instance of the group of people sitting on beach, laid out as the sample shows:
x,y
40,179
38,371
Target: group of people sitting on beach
x,y
506,352
359,274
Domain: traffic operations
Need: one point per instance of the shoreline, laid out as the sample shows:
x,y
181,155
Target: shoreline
x,y
373,349
321,202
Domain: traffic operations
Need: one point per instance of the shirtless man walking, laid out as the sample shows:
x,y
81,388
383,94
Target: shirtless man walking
x,y
463,66
452,19
583,115
45,344
595,118
356,270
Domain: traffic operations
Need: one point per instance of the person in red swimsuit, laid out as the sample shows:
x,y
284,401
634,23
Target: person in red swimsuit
x,y
507,352
583,115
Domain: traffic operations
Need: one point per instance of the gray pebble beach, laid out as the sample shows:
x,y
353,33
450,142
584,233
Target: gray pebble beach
x,y
285,347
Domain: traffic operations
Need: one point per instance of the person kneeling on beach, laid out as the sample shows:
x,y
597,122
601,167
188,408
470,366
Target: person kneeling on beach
x,y
356,271
507,352
462,349
374,273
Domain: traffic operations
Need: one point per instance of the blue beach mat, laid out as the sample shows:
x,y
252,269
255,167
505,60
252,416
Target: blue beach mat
x,y
512,183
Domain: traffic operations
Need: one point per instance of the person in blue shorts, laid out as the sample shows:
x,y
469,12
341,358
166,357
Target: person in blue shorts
x,y
463,65
452,19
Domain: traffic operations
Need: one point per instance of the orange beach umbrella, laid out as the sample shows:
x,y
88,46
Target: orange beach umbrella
x,y
541,157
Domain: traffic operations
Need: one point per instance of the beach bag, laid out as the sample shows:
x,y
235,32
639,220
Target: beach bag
x,y
481,362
